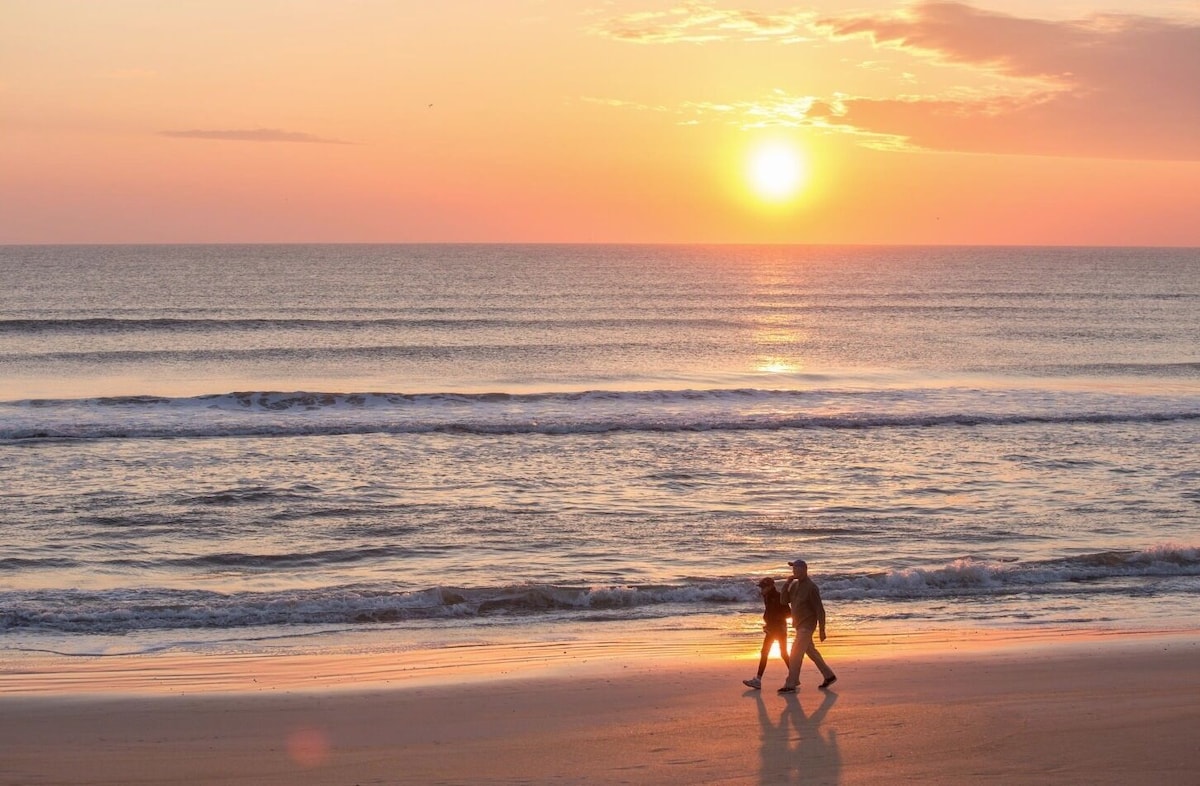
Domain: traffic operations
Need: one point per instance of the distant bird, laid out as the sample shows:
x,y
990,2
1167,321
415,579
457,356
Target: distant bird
x,y
431,106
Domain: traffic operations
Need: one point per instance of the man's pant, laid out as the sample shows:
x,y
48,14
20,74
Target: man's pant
x,y
803,645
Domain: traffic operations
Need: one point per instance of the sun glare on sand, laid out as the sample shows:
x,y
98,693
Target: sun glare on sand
x,y
776,171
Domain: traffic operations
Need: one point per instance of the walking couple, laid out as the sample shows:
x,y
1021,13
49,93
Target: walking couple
x,y
802,597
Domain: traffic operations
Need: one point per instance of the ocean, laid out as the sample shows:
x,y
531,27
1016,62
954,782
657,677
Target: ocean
x,y
322,448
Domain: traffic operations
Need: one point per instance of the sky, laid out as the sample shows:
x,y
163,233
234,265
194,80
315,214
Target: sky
x,y
1027,122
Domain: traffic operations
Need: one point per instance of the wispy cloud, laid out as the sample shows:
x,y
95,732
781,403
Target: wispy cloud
x,y
776,109
1118,86
698,23
255,135
1107,86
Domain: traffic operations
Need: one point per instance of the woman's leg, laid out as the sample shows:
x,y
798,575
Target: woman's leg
x,y
766,651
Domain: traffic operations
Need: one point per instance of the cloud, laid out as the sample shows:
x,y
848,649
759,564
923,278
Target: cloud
x,y
1104,86
697,23
1112,86
255,135
777,109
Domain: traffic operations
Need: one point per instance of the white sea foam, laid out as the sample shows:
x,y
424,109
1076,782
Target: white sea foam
x,y
134,609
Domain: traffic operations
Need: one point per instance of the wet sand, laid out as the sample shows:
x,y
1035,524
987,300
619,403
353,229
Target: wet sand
x,y
1102,709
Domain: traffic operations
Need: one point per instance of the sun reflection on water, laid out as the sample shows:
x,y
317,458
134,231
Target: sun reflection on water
x,y
777,366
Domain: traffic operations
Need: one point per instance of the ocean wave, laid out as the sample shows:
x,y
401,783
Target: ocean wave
x,y
98,326
278,400
125,610
1183,369
372,352
283,414
974,575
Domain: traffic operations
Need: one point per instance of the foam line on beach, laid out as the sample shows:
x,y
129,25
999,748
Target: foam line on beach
x,y
126,609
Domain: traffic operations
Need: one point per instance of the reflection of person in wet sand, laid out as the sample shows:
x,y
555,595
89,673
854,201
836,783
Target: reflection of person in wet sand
x,y
794,748
775,621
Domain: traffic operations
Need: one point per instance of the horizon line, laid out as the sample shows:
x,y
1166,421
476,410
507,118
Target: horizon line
x,y
584,243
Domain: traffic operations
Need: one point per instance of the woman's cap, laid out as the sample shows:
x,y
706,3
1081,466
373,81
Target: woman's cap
x,y
765,581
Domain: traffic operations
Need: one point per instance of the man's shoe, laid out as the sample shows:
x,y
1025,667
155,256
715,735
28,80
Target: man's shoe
x,y
832,678
788,689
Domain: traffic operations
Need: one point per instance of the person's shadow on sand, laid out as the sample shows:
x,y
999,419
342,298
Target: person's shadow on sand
x,y
793,748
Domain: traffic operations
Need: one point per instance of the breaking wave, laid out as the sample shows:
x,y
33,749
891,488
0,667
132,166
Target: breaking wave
x,y
137,609
272,413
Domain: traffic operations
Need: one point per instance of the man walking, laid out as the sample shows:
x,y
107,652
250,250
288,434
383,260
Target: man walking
x,y
808,615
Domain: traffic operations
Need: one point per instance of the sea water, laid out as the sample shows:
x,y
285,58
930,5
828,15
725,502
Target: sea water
x,y
288,448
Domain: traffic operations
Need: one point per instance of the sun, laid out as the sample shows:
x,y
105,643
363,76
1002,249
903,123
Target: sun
x,y
776,171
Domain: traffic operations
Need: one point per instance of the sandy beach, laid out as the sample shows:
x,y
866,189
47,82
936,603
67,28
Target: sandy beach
x,y
1098,709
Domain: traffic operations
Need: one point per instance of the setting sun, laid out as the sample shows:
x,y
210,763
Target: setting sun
x,y
777,171
708,121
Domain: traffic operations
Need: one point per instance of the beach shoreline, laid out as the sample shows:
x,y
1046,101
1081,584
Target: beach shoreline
x,y
380,661
1097,708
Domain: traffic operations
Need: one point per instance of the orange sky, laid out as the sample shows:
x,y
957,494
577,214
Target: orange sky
x,y
1007,121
